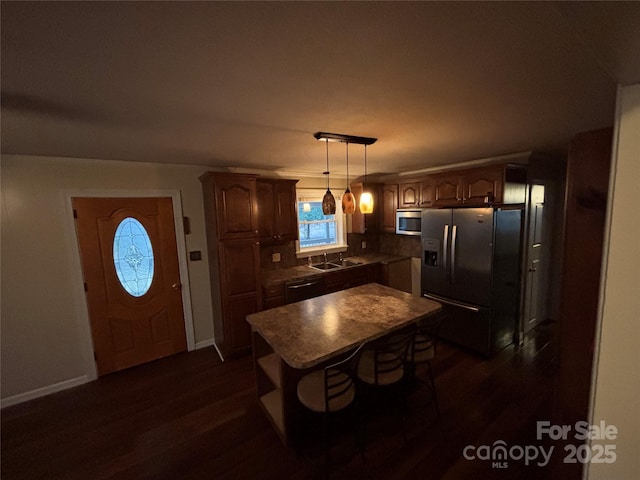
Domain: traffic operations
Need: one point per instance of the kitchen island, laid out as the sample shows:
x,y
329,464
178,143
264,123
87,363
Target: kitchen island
x,y
290,340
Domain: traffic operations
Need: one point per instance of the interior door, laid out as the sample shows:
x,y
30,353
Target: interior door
x,y
535,267
132,281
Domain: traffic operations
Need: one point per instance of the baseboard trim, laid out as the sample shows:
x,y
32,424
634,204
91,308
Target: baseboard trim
x,y
210,343
41,392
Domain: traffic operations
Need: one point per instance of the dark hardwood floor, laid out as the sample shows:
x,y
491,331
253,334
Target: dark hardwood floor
x,y
190,416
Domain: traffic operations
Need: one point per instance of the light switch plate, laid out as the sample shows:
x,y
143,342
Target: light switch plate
x,y
275,257
364,244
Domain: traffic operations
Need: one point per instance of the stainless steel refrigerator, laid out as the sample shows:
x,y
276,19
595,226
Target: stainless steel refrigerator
x,y
471,264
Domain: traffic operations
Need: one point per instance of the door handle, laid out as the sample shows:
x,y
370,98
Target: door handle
x,y
453,253
454,303
176,286
445,246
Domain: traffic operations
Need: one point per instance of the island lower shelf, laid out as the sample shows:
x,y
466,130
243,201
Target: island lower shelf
x,y
276,384
272,403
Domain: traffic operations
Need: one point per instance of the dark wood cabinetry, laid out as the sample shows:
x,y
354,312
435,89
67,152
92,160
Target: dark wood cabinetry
x,y
234,199
498,184
360,222
447,189
409,195
426,193
230,204
389,207
277,222
273,296
343,279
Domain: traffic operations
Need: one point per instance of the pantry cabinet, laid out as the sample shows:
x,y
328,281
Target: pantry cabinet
x,y
230,205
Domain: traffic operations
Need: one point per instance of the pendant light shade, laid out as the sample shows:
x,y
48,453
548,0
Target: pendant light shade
x,y
366,199
348,200
366,203
328,201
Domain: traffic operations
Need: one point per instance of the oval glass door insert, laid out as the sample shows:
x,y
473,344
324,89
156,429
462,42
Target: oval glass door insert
x,y
133,257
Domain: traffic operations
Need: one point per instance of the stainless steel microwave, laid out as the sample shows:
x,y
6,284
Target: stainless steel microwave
x,y
408,221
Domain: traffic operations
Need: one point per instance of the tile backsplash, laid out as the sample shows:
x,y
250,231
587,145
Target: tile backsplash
x,y
375,243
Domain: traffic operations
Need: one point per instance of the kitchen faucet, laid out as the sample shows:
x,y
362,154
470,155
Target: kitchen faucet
x,y
325,258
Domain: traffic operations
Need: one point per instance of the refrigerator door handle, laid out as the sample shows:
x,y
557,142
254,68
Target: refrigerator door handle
x,y
451,302
445,246
453,253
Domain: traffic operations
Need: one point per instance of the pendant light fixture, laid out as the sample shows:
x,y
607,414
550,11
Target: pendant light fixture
x,y
328,201
348,200
366,199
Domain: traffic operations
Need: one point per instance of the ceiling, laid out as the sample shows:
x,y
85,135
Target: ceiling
x,y
244,84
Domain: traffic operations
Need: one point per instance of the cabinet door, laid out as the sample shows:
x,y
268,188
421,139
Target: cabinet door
x,y
343,279
240,288
266,222
285,212
482,186
409,195
277,220
447,190
426,193
272,296
389,207
236,206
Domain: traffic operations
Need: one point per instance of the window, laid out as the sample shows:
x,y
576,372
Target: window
x,y
318,233
133,257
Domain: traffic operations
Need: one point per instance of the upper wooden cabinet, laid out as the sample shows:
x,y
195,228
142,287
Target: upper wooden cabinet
x,y
426,193
447,189
277,217
483,185
235,204
360,222
498,184
409,195
389,207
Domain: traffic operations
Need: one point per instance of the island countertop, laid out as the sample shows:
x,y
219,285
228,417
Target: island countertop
x,y
306,333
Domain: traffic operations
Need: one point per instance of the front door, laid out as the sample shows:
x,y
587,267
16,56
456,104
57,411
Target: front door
x,y
132,281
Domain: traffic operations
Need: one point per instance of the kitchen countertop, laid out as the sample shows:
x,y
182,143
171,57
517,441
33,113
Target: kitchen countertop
x,y
282,275
307,333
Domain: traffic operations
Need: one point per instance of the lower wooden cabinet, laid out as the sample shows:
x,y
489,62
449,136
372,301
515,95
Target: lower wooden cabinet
x,y
273,296
241,292
343,279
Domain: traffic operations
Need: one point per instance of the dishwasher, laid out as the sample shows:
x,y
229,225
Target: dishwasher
x,y
298,290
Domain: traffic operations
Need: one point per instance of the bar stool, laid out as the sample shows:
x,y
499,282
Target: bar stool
x,y
383,365
329,390
422,351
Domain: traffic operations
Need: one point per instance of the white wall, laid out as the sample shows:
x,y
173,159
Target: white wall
x,y
43,326
616,391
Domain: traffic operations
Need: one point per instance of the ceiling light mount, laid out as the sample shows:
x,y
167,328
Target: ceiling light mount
x,y
339,137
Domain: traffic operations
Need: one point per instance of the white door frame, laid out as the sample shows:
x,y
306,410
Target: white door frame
x,y
82,310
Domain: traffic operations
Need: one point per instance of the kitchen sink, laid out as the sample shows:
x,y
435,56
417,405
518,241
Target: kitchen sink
x,y
348,263
334,265
324,266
